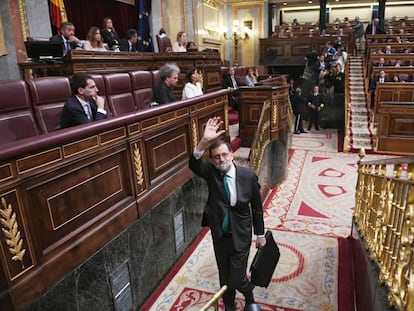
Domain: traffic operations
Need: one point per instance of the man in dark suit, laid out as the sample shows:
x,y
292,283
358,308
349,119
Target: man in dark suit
x,y
374,28
163,91
230,81
299,105
129,43
67,37
85,105
233,208
380,78
315,103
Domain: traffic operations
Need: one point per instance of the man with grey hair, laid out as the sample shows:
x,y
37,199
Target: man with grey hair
x,y
163,92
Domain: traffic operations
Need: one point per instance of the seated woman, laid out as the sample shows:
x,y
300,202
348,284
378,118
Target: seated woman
x,y
191,46
93,40
179,45
109,35
192,87
396,78
252,77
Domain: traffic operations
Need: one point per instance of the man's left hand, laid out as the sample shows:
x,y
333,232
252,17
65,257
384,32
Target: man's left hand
x,y
260,242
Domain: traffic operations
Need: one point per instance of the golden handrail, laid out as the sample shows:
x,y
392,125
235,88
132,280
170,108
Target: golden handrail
x,y
384,214
261,138
214,301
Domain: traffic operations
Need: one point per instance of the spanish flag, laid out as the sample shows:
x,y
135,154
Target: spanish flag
x,y
57,15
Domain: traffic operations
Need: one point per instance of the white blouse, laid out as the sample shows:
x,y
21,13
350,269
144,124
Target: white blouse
x,y
191,90
87,46
178,48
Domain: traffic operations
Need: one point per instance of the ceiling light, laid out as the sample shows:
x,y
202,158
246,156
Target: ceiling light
x,y
285,3
309,1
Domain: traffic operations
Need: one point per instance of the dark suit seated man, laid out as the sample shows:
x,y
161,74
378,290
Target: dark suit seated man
x,y
230,81
85,105
233,209
163,91
129,43
380,78
67,37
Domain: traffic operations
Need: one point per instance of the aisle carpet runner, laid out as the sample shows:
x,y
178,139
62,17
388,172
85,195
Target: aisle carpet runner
x,y
310,215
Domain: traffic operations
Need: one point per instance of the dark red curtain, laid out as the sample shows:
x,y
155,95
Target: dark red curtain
x,y
87,13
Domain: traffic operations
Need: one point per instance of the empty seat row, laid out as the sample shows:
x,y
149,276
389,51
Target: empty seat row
x,y
33,107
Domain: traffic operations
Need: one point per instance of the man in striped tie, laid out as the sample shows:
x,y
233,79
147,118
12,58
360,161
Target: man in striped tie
x,y
233,210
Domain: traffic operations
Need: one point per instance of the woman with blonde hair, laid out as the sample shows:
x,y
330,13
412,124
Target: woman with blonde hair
x,y
93,40
180,44
109,34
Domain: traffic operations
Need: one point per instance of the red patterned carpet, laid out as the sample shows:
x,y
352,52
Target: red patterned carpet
x,y
310,215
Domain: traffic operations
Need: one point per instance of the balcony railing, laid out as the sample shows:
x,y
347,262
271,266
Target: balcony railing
x,y
384,216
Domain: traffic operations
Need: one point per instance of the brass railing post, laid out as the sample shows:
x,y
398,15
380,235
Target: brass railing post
x,y
214,301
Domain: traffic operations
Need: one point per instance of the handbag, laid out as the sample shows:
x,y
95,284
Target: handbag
x,y
265,262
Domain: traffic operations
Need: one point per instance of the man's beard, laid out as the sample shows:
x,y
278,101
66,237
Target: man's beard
x,y
223,167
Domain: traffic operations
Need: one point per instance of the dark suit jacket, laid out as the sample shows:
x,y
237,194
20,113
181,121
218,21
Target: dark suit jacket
x,y
58,38
247,212
228,83
124,46
378,31
317,100
74,114
299,103
374,82
110,37
163,94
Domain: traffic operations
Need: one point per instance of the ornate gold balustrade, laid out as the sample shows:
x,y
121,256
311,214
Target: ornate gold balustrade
x,y
384,216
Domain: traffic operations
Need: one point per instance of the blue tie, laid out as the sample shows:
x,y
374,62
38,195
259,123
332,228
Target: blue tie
x,y
226,222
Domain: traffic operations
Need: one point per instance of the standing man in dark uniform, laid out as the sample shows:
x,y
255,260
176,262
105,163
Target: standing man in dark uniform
x,y
233,208
299,104
315,104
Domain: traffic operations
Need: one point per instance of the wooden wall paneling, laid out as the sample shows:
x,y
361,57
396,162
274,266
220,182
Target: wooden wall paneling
x,y
16,249
73,191
396,128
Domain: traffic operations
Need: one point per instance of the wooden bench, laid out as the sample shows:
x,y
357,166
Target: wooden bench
x,y
389,59
395,131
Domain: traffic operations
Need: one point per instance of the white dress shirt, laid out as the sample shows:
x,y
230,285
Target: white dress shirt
x,y
88,110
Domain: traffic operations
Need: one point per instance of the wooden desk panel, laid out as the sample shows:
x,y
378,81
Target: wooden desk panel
x,y
110,62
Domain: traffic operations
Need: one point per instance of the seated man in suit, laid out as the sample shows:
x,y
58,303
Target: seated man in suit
x,y
67,37
129,43
85,105
233,211
380,63
230,81
163,92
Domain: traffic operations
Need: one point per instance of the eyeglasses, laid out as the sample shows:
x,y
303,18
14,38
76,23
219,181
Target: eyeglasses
x,y
221,155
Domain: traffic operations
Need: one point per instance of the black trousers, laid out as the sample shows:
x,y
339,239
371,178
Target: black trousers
x,y
298,123
232,268
313,118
